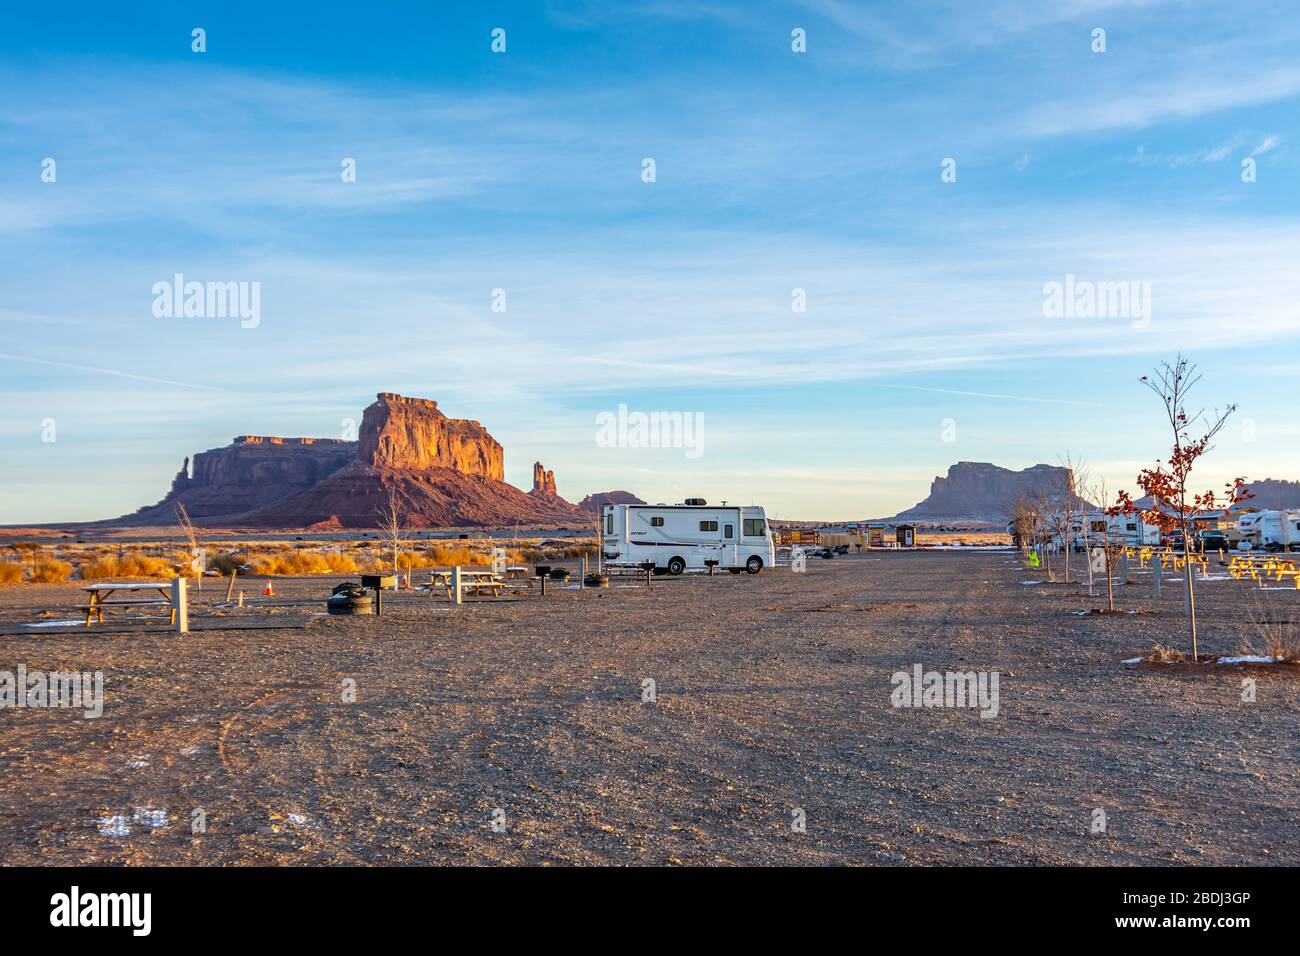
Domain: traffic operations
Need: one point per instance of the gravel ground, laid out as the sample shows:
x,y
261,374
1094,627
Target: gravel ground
x,y
773,693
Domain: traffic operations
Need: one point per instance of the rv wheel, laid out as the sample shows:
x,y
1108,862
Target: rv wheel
x,y
754,564
676,566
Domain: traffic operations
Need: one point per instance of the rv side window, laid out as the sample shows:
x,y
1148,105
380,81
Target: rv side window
x,y
728,530
1130,526
754,527
708,526
609,523
656,522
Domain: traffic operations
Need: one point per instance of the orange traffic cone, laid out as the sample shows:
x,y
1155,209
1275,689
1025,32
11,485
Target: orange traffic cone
x,y
268,592
404,584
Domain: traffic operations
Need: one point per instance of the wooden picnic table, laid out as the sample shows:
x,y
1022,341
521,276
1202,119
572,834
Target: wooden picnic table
x,y
100,594
471,581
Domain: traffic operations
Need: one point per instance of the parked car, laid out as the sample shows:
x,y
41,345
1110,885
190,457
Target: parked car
x,y
1213,540
1174,540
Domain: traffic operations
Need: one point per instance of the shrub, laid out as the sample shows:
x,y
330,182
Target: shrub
x,y
52,572
303,562
1280,639
129,566
10,572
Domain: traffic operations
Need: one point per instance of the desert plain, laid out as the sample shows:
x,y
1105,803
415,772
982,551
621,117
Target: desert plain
x,y
517,730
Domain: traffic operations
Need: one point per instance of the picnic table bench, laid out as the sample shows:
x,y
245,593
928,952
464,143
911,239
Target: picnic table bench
x,y
99,599
472,582
1257,566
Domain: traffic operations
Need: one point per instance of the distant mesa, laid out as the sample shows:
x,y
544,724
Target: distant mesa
x,y
981,491
594,503
1266,494
443,471
1273,494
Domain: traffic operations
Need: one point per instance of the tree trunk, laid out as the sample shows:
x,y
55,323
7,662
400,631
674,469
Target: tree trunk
x,y
1110,582
1191,591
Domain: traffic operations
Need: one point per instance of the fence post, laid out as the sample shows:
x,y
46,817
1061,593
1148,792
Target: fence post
x,y
180,604
1156,566
455,584
1123,569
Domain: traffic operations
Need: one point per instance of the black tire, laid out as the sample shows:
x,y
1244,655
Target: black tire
x,y
754,564
676,566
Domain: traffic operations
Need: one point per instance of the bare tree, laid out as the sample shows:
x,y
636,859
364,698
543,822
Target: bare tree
x,y
1026,524
392,519
1058,504
191,537
1113,541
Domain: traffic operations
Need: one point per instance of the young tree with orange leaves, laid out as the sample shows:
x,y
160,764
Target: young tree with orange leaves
x,y
1173,505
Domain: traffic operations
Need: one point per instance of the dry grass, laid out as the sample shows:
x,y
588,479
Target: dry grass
x,y
97,561
304,562
128,566
51,571
1279,638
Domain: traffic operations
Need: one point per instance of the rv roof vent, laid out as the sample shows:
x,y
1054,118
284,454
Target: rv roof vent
x,y
697,502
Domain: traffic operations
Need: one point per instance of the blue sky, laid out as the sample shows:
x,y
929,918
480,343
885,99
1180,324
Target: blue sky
x,y
523,171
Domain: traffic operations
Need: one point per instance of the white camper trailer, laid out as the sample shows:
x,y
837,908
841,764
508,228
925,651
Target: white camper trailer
x,y
1246,535
677,537
1279,530
1096,528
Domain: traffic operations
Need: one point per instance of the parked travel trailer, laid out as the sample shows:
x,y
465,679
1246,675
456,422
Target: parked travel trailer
x,y
1095,528
1246,533
1279,530
677,537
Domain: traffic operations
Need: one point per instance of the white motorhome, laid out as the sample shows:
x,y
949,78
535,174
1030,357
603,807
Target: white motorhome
x,y
1279,530
677,537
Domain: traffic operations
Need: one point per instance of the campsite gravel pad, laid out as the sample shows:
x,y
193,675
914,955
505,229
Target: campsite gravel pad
x,y
535,707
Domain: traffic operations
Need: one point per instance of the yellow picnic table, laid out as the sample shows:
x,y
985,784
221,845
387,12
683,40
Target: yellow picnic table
x,y
1263,565
100,595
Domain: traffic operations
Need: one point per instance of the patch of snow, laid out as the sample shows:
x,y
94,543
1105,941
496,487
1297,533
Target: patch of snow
x,y
138,762
1247,659
1031,582
53,623
1132,660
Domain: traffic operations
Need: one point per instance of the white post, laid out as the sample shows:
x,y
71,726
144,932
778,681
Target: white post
x,y
455,584
180,604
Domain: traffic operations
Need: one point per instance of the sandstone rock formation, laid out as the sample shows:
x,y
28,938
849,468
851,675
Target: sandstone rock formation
x,y
253,470
411,433
446,471
594,503
1273,494
982,490
543,482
